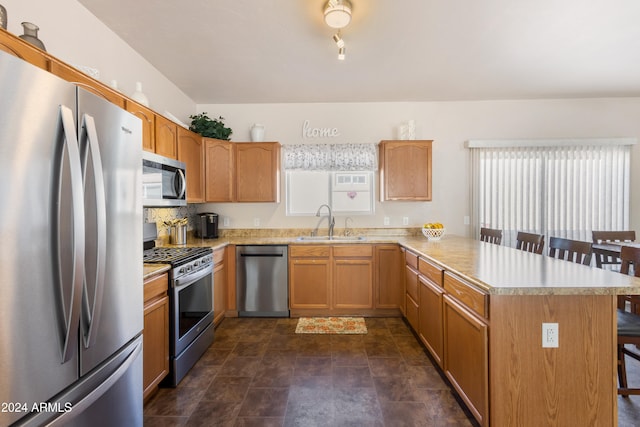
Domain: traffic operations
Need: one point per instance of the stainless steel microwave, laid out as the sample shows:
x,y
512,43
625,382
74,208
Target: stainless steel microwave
x,y
164,182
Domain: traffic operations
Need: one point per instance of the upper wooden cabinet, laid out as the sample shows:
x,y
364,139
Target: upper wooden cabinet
x,y
218,164
148,118
77,77
405,170
190,151
166,137
257,172
23,50
242,171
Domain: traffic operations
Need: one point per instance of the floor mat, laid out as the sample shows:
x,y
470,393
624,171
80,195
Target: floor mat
x,y
331,325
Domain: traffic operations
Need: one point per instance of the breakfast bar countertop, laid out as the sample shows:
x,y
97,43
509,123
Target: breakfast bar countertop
x,y
503,270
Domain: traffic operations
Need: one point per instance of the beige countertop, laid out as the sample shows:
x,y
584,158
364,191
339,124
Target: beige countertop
x,y
495,269
151,270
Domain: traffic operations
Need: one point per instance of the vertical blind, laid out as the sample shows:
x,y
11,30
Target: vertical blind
x,y
563,190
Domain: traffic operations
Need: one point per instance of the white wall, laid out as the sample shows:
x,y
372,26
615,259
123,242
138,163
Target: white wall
x,y
449,124
71,33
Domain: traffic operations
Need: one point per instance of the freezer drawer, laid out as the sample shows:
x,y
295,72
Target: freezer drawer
x,y
262,281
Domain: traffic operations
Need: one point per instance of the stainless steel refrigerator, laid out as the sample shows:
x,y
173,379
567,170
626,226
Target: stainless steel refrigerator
x,y
71,309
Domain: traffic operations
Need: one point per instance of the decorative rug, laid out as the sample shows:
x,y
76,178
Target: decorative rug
x,y
331,325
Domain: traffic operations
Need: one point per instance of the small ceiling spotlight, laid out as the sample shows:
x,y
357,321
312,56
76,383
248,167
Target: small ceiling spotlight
x,y
338,39
337,13
341,53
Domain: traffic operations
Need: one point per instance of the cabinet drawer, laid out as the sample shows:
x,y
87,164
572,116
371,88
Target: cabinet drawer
x,y
353,251
218,256
411,282
156,286
317,251
431,271
471,297
411,259
412,312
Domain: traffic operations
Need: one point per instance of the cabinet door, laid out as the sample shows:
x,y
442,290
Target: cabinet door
x,y
411,296
190,151
155,339
309,280
219,286
257,172
353,283
219,165
148,124
388,276
466,357
405,170
430,317
73,75
166,137
23,50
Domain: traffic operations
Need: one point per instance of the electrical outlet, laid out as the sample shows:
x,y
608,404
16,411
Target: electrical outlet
x,y
256,222
225,221
385,221
550,337
467,220
405,220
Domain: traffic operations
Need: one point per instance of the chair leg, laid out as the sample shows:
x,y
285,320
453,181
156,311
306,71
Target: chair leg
x,y
622,370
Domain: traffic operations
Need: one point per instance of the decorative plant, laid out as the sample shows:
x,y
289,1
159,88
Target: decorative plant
x,y
210,128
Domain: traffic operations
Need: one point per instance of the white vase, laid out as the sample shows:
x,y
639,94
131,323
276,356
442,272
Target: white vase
x,y
257,133
140,97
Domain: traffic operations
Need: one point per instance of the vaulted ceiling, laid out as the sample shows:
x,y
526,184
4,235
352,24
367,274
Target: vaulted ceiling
x,y
271,51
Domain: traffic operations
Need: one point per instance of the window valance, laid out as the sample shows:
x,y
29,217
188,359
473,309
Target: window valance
x,y
331,157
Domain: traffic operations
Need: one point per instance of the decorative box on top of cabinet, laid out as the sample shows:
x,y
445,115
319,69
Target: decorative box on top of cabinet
x,y
405,170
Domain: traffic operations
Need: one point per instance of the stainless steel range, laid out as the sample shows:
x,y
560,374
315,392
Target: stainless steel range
x,y
190,300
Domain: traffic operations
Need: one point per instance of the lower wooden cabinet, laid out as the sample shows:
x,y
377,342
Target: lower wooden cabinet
x,y
466,356
155,336
309,277
353,276
388,280
219,286
411,296
430,318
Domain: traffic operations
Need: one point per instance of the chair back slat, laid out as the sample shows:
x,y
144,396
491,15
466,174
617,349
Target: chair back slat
x,y
530,242
491,235
630,257
570,250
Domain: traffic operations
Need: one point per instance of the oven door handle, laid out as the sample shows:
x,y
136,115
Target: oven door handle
x,y
184,281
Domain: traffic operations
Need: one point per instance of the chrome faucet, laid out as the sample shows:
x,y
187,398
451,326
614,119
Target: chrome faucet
x,y
330,218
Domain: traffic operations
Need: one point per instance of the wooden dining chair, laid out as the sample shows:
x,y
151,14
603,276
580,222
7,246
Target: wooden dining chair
x,y
611,236
570,250
530,242
491,235
628,322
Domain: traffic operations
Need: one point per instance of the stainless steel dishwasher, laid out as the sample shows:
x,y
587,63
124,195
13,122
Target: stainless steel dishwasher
x,y
262,284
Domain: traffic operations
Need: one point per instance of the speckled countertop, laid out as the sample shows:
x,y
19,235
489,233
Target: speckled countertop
x,y
151,270
494,269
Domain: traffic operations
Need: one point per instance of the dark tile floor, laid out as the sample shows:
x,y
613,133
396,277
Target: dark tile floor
x,y
259,372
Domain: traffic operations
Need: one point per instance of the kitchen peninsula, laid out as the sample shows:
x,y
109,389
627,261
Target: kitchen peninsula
x,y
479,309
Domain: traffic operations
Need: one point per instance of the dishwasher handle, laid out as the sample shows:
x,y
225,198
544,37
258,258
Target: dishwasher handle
x,y
262,255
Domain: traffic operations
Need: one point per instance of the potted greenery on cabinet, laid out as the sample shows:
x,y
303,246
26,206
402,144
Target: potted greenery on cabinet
x,y
210,128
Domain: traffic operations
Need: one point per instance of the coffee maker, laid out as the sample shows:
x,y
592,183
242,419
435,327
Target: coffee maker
x,y
207,225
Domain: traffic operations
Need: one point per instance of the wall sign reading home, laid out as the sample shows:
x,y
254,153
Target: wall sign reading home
x,y
317,132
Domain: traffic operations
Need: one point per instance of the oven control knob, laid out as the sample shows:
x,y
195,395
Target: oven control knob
x,y
196,263
181,271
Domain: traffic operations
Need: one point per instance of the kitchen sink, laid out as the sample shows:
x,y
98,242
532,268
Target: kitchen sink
x,y
331,239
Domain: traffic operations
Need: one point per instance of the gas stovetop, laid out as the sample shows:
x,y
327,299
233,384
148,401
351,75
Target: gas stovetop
x,y
174,256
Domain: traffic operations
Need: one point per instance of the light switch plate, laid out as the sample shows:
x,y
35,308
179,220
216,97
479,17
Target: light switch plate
x,y
405,220
256,222
225,221
386,220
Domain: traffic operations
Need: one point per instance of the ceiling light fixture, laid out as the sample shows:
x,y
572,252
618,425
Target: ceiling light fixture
x,y
337,13
341,52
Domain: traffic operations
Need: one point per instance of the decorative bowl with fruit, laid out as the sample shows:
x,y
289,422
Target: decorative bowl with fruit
x,y
433,231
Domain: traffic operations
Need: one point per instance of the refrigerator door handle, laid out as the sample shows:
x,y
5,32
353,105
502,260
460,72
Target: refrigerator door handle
x,y
69,311
99,391
90,151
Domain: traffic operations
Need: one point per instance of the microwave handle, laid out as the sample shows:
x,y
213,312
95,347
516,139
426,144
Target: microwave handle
x,y
182,186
